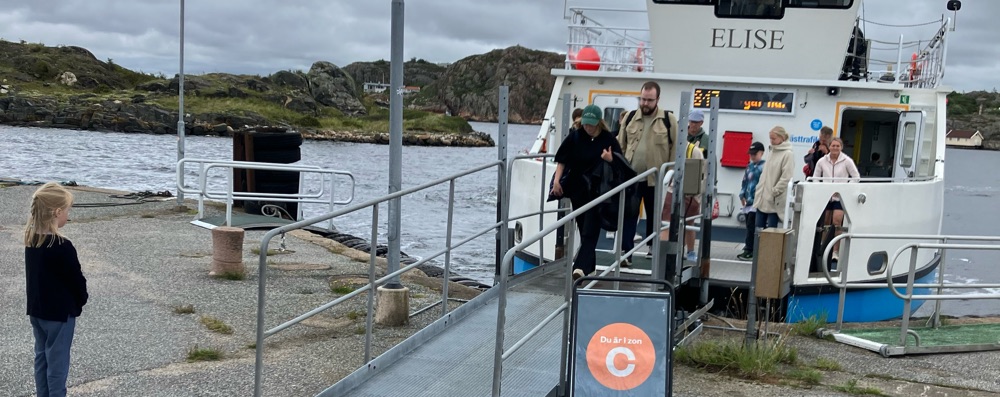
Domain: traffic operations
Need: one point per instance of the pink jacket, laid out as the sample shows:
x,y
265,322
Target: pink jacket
x,y
844,169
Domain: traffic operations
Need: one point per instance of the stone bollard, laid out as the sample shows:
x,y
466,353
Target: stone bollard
x,y
227,251
393,307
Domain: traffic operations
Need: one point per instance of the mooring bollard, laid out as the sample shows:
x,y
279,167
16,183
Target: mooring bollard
x,y
227,251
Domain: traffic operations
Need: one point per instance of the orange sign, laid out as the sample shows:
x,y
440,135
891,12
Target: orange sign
x,y
621,356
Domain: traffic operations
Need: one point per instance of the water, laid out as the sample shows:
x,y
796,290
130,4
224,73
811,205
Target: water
x,y
137,162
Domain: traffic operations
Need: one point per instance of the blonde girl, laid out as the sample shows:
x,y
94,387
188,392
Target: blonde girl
x,y
56,289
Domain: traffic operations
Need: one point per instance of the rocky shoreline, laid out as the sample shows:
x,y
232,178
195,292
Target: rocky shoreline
x,y
82,112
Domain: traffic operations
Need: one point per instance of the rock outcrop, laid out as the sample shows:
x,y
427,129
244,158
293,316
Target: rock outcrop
x,y
330,86
469,87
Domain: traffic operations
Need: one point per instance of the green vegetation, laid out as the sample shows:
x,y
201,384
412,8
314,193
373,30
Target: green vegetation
x,y
203,354
232,275
215,325
826,364
808,376
754,362
851,387
354,315
184,309
970,103
809,326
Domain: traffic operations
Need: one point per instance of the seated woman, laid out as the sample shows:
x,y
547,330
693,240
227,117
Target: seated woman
x,y
836,167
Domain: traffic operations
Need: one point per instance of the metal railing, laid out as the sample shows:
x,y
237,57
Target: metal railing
x,y
499,227
923,69
942,245
568,221
203,192
619,48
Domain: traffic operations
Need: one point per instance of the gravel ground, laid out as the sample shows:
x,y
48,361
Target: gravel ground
x,y
143,261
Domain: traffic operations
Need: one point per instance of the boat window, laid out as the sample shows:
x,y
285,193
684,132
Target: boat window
x,y
613,117
877,263
819,3
909,144
750,9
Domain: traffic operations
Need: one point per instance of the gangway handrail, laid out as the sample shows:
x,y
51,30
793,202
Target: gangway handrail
x,y
843,266
373,204
230,195
502,279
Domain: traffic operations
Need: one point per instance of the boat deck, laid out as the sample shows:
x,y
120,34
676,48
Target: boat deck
x,y
726,269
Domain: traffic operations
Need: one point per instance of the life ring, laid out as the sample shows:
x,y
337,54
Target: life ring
x,y
914,68
638,57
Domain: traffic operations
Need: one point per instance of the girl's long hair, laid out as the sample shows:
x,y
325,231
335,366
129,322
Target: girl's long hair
x,y
42,217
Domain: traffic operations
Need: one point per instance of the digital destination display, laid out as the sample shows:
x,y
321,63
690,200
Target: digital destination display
x,y
746,101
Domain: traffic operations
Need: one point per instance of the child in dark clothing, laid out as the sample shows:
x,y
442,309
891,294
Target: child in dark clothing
x,y
747,191
56,289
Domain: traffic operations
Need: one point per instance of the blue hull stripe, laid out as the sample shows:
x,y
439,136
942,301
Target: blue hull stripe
x,y
860,305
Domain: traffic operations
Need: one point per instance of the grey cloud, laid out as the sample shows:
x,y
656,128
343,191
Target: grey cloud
x,y
263,36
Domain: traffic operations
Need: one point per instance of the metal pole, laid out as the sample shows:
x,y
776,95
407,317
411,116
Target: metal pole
x,y
447,245
502,240
395,139
369,328
707,204
180,107
751,333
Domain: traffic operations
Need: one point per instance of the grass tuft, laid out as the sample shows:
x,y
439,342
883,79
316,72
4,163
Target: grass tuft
x,y
184,309
826,364
354,315
203,354
232,276
808,376
215,325
754,362
360,330
809,326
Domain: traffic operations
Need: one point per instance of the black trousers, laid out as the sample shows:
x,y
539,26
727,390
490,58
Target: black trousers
x,y
589,225
751,230
631,219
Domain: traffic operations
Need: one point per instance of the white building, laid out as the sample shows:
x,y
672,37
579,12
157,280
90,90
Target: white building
x,y
964,138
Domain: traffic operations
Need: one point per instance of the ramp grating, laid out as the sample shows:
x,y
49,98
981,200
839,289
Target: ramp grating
x,y
459,361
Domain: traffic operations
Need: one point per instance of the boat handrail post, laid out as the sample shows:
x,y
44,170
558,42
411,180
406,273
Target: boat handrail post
x,y
447,246
503,183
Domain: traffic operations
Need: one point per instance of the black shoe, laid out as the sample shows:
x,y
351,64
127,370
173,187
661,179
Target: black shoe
x,y
745,256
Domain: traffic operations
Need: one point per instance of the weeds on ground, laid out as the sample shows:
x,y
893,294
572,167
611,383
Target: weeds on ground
x,y
232,275
252,346
826,364
354,315
184,309
342,287
809,326
203,354
808,376
851,387
306,291
754,362
215,325
147,216
360,330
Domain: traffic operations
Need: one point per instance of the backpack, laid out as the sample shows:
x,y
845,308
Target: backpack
x,y
666,115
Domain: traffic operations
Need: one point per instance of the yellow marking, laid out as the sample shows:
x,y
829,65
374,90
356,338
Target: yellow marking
x,y
841,105
592,93
857,139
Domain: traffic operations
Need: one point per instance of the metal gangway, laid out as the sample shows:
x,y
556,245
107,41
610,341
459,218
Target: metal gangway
x,y
934,336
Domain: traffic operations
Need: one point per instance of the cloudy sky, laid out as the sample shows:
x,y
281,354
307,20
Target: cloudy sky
x,y
263,36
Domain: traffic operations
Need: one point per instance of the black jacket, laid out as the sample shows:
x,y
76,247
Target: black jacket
x,y
56,288
602,178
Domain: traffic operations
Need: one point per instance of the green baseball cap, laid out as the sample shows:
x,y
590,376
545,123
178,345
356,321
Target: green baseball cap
x,y
591,115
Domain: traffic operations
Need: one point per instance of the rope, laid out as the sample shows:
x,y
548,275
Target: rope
x,y
901,26
137,197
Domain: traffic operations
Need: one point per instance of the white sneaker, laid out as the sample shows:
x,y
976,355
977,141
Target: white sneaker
x,y
835,256
691,256
577,274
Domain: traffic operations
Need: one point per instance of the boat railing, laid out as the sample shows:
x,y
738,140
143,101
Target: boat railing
x,y
791,192
325,194
595,46
939,243
498,228
914,64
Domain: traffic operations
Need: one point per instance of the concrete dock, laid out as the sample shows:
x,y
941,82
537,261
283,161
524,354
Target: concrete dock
x,y
144,261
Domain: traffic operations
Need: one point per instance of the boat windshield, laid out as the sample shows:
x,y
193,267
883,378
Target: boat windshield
x,y
760,9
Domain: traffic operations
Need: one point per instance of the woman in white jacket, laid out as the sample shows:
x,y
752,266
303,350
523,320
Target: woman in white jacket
x,y
836,167
770,198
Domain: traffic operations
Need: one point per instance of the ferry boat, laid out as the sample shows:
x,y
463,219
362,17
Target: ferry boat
x,y
800,64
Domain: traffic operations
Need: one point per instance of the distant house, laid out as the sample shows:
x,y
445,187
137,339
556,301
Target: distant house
x,y
964,138
375,87
410,89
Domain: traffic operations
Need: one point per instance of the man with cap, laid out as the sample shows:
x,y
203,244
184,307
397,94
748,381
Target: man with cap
x,y
647,139
747,190
696,134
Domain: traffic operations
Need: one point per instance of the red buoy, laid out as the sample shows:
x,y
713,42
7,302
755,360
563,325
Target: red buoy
x,y
587,59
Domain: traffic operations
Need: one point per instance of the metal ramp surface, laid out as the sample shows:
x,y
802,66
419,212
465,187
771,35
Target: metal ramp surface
x,y
459,360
